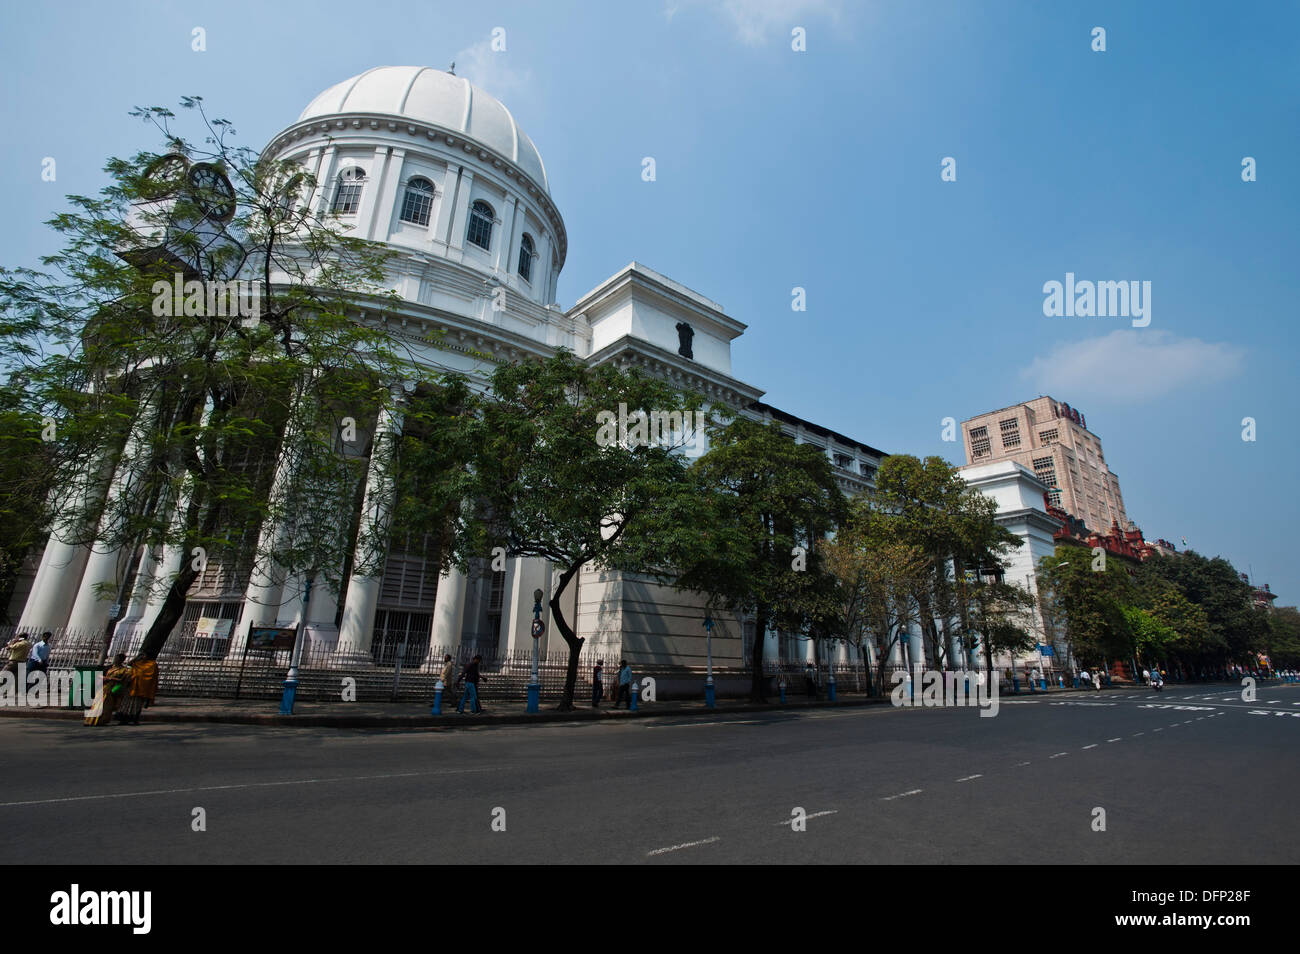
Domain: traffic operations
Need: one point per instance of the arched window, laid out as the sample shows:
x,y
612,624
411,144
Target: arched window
x,y
527,252
480,225
418,201
347,194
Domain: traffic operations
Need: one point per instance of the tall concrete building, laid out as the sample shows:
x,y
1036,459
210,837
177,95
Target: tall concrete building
x,y
1052,440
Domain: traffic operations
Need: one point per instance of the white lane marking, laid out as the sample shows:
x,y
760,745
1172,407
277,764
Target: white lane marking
x,y
1136,734
692,725
1059,754
1023,763
224,788
685,844
969,778
790,821
1153,730
1273,702
1189,721
1116,739
1093,746
890,798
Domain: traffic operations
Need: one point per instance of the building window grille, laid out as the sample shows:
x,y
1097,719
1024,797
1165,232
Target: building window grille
x,y
1010,432
979,442
1050,436
418,201
480,225
347,194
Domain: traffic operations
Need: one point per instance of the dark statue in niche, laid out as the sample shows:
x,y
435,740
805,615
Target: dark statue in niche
x,y
685,335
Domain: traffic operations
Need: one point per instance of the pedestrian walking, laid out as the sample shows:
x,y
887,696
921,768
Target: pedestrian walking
x,y
448,670
1096,680
624,684
20,647
39,660
471,677
116,680
140,691
597,684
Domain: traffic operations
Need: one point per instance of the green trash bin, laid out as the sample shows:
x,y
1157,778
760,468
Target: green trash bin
x,y
82,691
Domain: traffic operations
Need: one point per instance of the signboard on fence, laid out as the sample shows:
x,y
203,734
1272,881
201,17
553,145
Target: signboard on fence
x,y
209,628
1047,650
270,637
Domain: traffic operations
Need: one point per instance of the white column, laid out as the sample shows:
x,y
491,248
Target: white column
x,y
449,610
55,585
362,598
444,203
320,202
102,576
503,258
460,217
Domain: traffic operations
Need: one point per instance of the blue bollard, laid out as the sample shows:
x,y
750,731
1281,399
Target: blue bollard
x,y
830,690
535,697
632,696
708,692
781,686
290,694
1044,682
1015,684
437,698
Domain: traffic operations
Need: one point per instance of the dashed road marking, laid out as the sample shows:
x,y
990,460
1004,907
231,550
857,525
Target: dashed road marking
x,y
969,778
890,798
1093,746
790,821
1059,754
685,844
1116,739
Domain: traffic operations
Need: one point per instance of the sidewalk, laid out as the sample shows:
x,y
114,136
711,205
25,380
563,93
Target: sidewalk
x,y
406,715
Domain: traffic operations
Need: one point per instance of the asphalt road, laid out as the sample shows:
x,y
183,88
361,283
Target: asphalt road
x,y
1191,775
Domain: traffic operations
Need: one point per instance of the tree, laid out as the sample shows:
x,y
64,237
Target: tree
x,y
954,526
768,504
1089,603
192,413
1234,628
1001,613
552,478
877,575
1283,640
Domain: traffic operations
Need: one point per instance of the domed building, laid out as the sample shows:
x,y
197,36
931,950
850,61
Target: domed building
x,y
438,170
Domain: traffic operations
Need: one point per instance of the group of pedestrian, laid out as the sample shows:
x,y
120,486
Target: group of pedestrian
x,y
469,678
33,654
623,684
128,688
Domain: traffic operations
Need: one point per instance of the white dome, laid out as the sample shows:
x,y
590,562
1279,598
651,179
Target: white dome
x,y
438,98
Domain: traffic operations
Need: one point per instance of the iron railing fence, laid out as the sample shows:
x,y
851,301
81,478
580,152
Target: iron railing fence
x,y
193,666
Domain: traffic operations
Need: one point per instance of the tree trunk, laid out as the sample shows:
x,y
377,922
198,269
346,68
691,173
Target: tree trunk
x,y
756,688
570,637
173,609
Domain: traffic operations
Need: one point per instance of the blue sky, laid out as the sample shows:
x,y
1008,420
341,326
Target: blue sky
x,y
821,169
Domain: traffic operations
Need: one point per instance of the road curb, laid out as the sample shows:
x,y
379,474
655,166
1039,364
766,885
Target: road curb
x,y
163,714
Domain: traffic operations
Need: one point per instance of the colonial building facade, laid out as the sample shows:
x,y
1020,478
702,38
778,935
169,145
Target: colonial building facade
x,y
440,172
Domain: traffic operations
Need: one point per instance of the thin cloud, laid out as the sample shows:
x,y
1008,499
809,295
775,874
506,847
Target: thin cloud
x,y
493,71
755,22
1130,365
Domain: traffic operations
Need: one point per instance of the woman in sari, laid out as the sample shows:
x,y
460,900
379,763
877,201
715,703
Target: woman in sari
x,y
142,687
116,679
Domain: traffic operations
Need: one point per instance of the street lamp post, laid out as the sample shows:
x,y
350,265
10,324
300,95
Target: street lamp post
x,y
291,680
708,647
534,684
